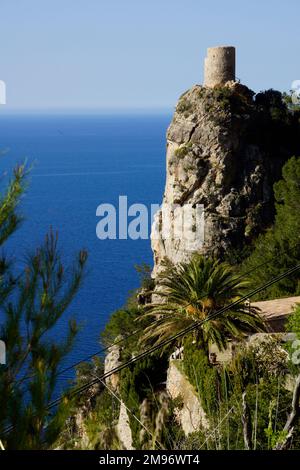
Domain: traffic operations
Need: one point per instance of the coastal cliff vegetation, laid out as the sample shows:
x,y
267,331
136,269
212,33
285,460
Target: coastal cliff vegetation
x,y
247,401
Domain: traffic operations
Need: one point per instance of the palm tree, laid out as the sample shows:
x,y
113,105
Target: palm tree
x,y
191,292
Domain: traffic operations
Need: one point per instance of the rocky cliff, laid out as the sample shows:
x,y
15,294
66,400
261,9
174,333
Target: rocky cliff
x,y
191,415
225,149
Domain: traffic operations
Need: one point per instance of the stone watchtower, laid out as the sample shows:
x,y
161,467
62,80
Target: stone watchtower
x,y
219,65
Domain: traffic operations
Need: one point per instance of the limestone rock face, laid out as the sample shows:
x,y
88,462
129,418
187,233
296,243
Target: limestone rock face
x,y
191,416
218,156
123,428
112,360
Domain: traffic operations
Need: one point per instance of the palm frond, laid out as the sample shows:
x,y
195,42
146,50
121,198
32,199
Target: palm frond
x,y
195,291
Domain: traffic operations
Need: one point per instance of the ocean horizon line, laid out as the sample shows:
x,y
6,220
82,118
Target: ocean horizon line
x,y
86,111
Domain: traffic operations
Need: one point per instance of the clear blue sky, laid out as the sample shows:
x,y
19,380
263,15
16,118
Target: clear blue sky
x,y
138,53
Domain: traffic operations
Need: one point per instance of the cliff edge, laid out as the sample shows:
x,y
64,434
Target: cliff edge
x,y
225,149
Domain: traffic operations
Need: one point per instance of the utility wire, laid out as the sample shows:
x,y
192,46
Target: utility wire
x,y
90,356
139,330
212,433
130,335
181,333
129,411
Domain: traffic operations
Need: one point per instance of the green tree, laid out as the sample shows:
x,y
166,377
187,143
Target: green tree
x,y
122,324
31,305
191,292
280,245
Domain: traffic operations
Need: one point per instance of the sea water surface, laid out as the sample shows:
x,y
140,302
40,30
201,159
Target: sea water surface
x,y
79,162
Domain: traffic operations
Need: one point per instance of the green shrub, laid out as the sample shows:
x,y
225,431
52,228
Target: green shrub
x,y
139,381
182,151
184,107
202,375
279,245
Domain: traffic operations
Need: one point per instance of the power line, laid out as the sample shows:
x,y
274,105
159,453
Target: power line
x,y
90,356
124,339
216,428
181,333
130,411
169,340
134,333
178,335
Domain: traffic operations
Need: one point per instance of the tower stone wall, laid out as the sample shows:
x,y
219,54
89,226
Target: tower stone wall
x,y
219,65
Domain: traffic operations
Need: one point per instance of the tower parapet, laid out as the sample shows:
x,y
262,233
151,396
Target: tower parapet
x,y
219,65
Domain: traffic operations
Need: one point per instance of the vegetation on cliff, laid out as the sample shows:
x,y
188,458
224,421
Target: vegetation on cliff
x,y
251,389
247,400
191,292
226,147
279,246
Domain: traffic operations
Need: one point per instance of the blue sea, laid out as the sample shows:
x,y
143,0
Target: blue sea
x,y
79,162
